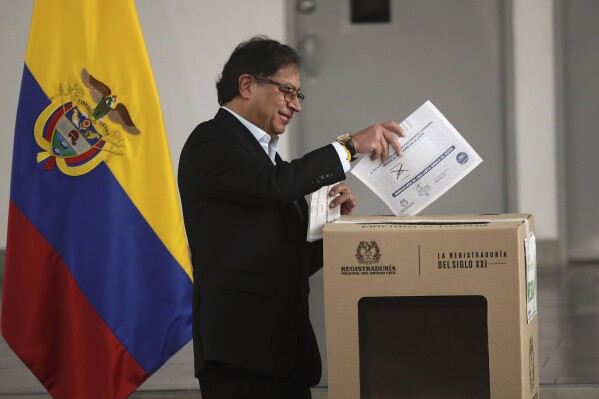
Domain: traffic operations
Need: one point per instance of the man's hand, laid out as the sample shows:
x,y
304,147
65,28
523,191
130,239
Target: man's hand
x,y
344,197
375,140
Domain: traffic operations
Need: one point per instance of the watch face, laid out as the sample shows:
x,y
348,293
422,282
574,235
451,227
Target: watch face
x,y
343,138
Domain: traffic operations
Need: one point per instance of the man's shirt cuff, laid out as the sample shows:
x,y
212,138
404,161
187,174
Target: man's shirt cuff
x,y
342,156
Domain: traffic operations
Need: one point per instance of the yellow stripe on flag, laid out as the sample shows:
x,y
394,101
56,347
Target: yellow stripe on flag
x,y
112,50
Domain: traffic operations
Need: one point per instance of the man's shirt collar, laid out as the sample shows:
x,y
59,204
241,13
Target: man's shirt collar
x,y
268,144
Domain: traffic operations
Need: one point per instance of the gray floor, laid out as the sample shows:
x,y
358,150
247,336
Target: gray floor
x,y
568,347
569,326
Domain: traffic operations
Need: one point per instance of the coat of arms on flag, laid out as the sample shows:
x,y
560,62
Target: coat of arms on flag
x,y
74,133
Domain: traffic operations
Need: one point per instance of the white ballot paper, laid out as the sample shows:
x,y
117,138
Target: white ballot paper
x,y
320,213
435,157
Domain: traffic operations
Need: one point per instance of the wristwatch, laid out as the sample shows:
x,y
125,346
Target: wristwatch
x,y
346,141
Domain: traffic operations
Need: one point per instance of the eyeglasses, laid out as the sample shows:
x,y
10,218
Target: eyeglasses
x,y
291,93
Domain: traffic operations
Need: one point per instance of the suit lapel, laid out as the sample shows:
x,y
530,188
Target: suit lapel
x,y
242,132
300,206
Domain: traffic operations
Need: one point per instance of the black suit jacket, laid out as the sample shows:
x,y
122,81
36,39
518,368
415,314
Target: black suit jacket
x,y
249,252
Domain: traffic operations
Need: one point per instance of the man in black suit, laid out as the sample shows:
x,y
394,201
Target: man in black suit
x,y
246,221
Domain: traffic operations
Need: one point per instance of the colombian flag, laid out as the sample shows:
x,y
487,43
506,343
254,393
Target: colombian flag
x,y
97,283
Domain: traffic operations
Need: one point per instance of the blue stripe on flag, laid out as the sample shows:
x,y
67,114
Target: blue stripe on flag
x,y
119,263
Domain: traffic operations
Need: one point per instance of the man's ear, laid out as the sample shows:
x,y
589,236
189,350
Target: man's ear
x,y
246,83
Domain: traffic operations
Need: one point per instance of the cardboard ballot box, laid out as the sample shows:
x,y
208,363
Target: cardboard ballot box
x,y
431,307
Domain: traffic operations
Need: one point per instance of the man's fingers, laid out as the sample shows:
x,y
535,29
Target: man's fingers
x,y
375,153
338,188
402,132
396,146
394,128
385,150
376,139
347,207
394,141
340,199
344,196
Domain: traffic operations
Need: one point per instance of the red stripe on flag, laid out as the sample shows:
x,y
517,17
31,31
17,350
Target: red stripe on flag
x,y
52,327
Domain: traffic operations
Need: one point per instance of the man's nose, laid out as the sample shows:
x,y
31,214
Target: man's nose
x,y
295,105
